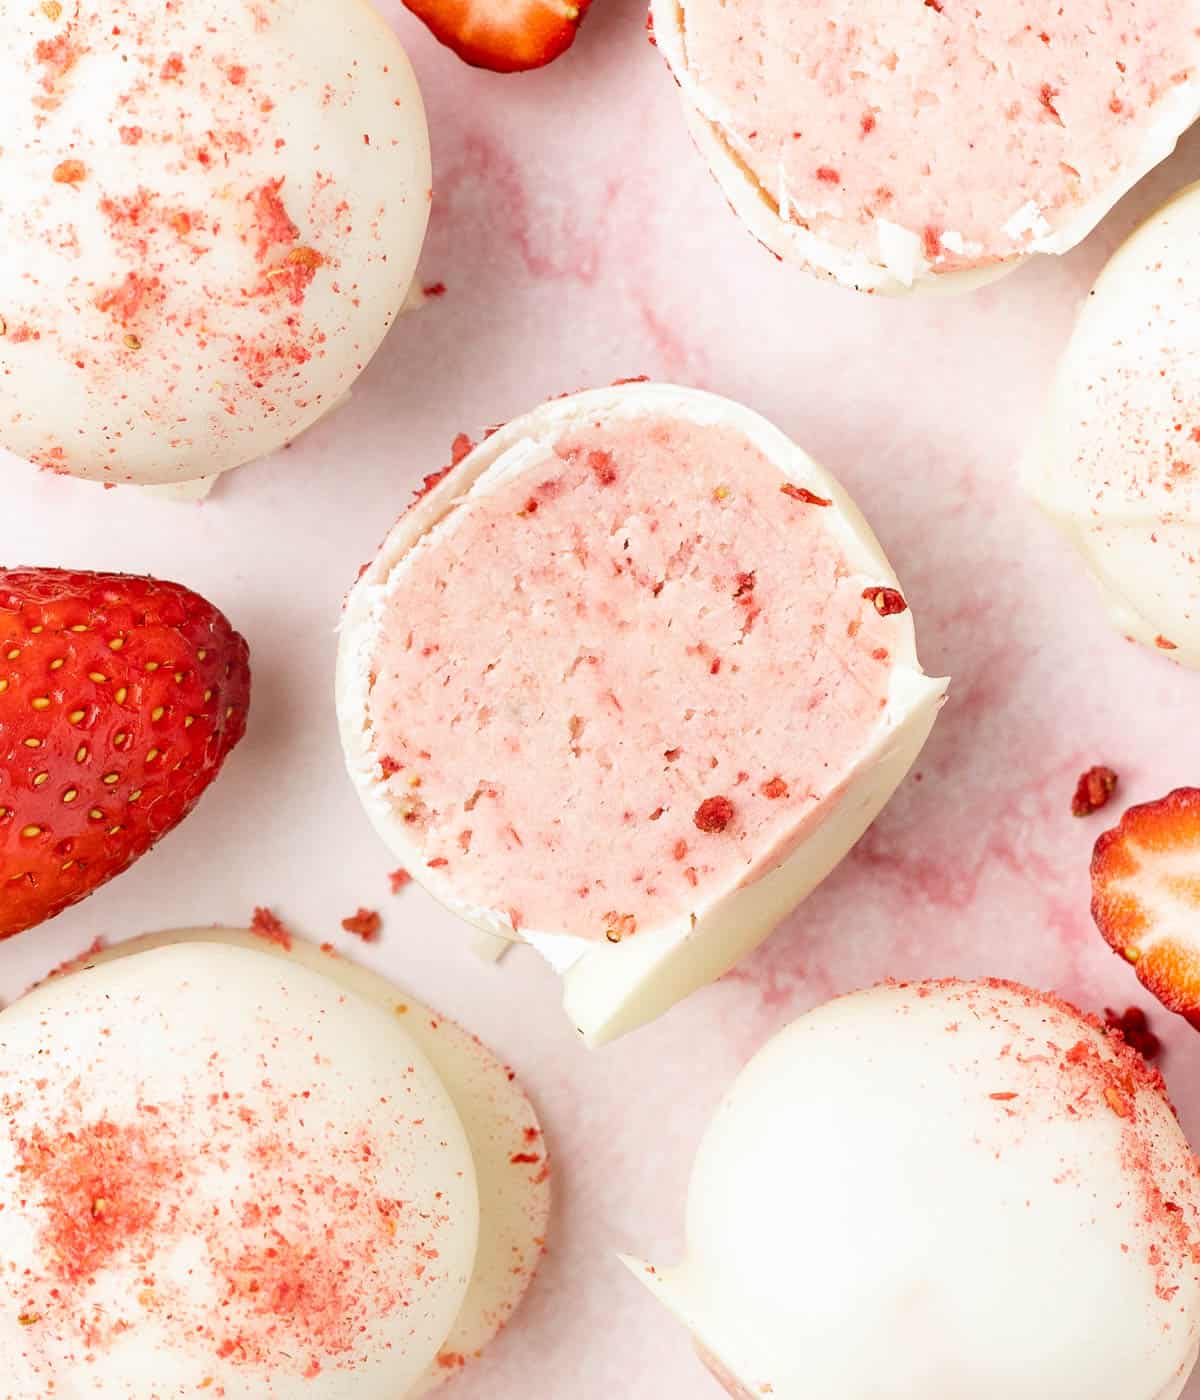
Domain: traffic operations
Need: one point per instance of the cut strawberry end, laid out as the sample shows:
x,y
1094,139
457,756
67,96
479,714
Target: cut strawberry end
x,y
1146,896
504,36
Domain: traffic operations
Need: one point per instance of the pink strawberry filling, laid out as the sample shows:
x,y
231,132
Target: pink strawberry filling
x,y
614,684
975,127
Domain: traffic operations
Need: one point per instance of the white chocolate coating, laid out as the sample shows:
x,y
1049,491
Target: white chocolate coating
x,y
512,1165
220,1171
210,215
943,1190
612,988
1117,466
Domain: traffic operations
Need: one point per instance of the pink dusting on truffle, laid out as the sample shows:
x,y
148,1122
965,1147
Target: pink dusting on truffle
x,y
300,1254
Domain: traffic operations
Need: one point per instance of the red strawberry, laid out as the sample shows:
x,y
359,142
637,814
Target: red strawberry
x,y
120,698
1146,896
507,36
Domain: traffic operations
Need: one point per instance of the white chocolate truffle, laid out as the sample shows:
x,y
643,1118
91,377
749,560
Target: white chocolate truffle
x,y
943,1189
211,212
1117,466
221,1170
512,1164
626,685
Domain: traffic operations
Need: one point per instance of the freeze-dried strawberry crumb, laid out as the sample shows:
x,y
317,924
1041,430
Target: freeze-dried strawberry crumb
x,y
1093,791
294,275
714,814
366,924
887,601
70,172
802,493
459,448
432,480
1133,1026
775,788
399,878
272,222
269,926
601,465
618,926
101,1185
1047,96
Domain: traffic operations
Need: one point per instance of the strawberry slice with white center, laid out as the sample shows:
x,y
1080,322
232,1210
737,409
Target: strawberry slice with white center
x,y
506,36
1146,896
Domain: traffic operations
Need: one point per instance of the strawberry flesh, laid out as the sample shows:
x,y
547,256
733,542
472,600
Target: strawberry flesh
x,y
505,36
1146,896
120,699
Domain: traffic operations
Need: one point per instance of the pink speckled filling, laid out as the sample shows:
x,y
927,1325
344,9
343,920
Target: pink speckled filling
x,y
639,623
943,117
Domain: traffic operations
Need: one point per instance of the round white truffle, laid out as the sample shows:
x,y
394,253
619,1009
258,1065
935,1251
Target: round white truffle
x,y
219,1170
943,1189
211,212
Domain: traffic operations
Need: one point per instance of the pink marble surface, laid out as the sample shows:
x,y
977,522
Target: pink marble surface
x,y
581,240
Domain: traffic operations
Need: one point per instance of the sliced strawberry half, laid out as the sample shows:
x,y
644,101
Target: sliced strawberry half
x,y
1146,896
506,36
120,699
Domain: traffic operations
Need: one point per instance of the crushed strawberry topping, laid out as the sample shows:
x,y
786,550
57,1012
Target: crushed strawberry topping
x,y
802,493
1133,1026
1093,791
270,927
299,1254
365,924
887,601
714,814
